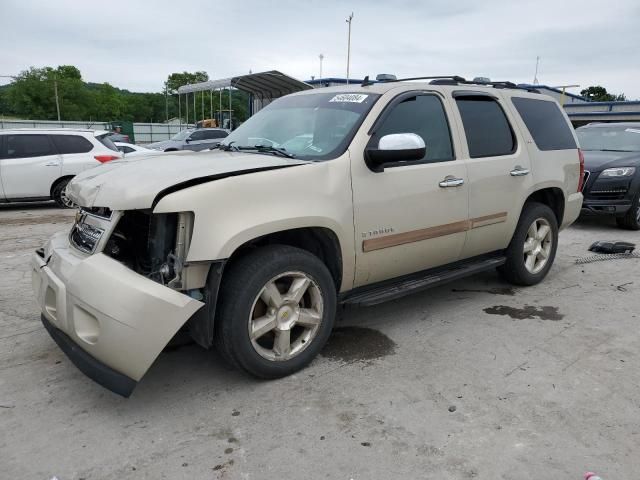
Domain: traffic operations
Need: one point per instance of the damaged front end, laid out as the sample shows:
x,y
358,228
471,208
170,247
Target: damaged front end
x,y
152,245
117,289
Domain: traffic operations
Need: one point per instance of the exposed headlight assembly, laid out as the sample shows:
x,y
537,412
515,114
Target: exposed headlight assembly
x,y
618,172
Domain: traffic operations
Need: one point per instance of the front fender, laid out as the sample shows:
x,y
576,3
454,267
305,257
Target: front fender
x,y
232,211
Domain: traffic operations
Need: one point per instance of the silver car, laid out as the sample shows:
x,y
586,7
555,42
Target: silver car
x,y
191,139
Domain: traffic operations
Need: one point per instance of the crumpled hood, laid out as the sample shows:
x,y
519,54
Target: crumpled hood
x,y
134,183
597,160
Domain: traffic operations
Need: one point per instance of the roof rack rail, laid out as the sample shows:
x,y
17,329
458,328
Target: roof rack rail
x,y
456,80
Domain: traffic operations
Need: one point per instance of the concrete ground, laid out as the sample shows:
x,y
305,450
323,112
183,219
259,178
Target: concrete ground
x,y
542,381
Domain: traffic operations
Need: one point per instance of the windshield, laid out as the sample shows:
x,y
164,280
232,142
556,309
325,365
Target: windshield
x,y
312,126
617,138
183,135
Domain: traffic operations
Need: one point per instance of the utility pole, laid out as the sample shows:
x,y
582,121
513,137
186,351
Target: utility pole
x,y
321,57
55,91
348,20
166,104
535,75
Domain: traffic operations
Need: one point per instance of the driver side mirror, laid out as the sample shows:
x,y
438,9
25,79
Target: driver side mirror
x,y
396,147
187,140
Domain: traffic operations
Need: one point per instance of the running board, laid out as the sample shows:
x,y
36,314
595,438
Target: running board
x,y
399,287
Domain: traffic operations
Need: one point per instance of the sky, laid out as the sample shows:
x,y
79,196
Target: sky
x,y
137,44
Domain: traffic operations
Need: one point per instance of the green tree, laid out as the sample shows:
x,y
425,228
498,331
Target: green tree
x,y
31,96
599,94
32,93
108,103
177,80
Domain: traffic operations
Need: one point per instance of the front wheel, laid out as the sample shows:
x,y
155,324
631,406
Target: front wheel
x,y
277,309
533,246
60,196
631,220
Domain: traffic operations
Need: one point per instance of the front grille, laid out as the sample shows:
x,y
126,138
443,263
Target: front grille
x,y
608,194
85,237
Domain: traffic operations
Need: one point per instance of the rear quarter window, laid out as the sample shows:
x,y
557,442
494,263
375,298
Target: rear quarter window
x,y
545,122
106,141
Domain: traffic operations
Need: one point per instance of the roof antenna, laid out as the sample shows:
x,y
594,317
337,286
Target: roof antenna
x,y
535,75
366,82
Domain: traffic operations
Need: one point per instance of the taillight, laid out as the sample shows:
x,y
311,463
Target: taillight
x,y
106,158
581,179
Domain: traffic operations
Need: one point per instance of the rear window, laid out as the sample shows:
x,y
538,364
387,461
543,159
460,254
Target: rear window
x,y
72,144
546,123
488,131
106,141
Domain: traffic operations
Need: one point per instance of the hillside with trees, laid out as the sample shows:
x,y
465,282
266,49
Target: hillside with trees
x,y
31,96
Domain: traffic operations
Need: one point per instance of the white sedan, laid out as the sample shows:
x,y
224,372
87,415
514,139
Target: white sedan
x,y
132,150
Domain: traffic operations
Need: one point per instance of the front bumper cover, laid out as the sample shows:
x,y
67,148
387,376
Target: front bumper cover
x,y
118,318
92,368
603,207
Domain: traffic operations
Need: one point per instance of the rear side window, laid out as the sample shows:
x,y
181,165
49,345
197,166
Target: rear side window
x,y
488,131
423,115
197,135
211,134
106,141
24,146
546,123
72,144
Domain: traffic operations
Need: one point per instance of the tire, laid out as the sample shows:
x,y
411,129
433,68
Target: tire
x,y
519,268
59,196
631,220
248,301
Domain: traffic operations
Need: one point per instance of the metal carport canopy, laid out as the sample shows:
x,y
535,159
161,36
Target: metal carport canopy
x,y
271,84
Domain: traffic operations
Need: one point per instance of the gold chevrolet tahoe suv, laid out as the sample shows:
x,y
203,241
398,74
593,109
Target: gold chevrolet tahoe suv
x,y
351,195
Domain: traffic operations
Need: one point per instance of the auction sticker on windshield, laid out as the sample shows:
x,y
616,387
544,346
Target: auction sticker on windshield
x,y
349,97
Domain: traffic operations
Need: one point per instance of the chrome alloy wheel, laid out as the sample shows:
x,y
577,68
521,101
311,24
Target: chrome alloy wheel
x,y
66,201
537,245
285,316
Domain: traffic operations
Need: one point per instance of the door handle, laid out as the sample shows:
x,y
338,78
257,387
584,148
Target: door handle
x,y
52,164
451,181
519,171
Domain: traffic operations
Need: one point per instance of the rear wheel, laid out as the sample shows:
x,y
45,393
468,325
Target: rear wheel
x,y
59,194
277,309
631,220
533,246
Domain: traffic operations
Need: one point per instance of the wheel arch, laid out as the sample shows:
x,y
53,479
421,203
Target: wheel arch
x,y
57,182
319,241
553,197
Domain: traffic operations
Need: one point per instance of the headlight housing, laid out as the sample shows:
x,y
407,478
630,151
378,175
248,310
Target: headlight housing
x,y
618,172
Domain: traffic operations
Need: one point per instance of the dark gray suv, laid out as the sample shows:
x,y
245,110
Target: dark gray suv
x,y
612,171
195,139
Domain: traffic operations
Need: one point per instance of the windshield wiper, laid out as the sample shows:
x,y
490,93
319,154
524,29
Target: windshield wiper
x,y
226,147
269,149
